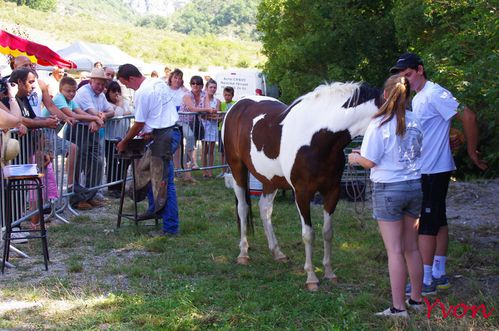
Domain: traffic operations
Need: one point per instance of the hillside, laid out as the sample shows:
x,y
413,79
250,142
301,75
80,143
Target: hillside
x,y
149,44
156,7
235,19
120,10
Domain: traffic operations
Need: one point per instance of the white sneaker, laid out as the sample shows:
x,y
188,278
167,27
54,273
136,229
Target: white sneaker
x,y
414,305
18,237
391,312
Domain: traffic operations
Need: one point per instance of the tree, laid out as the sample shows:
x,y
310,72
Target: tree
x,y
458,42
309,42
234,18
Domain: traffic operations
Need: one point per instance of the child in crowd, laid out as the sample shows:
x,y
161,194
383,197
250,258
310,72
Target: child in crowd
x,y
224,107
210,122
64,101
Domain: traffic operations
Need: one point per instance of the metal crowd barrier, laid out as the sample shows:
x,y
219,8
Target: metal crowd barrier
x,y
198,127
77,162
35,147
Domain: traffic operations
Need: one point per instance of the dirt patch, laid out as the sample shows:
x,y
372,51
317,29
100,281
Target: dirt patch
x,y
472,211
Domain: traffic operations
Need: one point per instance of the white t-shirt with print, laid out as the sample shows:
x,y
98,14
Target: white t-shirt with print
x,y
434,106
154,105
397,158
178,95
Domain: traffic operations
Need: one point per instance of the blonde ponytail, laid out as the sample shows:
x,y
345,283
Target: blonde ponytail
x,y
398,90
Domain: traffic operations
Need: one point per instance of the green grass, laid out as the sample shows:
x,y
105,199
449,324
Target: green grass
x,y
123,279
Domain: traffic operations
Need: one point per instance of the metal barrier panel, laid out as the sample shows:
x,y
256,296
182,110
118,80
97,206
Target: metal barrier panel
x,y
35,147
77,162
201,143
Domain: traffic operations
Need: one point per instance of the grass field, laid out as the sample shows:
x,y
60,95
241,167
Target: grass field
x,y
103,278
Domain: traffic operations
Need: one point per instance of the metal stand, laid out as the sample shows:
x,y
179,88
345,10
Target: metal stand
x,y
24,183
130,159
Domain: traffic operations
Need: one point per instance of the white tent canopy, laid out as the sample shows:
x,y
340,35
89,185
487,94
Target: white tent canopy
x,y
86,54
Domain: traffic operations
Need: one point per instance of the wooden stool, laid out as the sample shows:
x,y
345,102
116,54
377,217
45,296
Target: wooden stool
x,y
17,181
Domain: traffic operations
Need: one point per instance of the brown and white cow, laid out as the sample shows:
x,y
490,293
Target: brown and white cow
x,y
299,147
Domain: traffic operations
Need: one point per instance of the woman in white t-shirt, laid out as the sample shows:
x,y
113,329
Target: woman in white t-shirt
x,y
175,82
392,150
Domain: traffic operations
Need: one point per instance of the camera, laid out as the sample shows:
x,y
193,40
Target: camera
x,y
3,84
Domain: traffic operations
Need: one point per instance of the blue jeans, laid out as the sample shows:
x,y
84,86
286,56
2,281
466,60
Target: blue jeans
x,y
170,211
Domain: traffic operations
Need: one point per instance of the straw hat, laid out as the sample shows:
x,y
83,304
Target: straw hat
x,y
10,148
98,73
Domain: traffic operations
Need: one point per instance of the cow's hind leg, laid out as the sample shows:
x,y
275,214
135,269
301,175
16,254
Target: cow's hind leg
x,y
241,190
265,205
330,201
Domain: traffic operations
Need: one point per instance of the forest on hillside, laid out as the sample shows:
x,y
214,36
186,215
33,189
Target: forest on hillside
x,y
148,43
235,19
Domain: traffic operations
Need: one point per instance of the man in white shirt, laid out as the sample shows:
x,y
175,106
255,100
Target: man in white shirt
x,y
435,107
54,79
155,115
91,99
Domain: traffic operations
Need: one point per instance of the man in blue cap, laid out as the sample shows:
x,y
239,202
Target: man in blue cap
x,y
435,107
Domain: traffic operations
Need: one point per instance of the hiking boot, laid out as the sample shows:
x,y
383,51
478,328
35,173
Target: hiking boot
x,y
441,283
392,312
414,305
83,205
426,290
96,203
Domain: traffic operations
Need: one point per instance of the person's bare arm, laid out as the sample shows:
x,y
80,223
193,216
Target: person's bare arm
x,y
80,115
131,133
10,117
7,119
41,122
14,108
468,118
191,107
108,113
355,158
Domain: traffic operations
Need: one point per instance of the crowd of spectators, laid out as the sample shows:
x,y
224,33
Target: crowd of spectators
x,y
88,111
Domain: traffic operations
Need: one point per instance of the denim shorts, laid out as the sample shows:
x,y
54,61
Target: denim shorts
x,y
391,201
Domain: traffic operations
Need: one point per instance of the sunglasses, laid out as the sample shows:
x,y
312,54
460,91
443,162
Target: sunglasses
x,y
194,83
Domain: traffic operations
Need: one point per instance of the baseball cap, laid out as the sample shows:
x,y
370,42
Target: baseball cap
x,y
406,60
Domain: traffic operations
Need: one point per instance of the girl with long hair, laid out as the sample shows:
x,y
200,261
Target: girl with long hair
x,y
392,150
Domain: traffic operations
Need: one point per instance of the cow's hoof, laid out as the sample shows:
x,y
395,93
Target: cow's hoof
x,y
332,280
312,287
282,259
243,260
